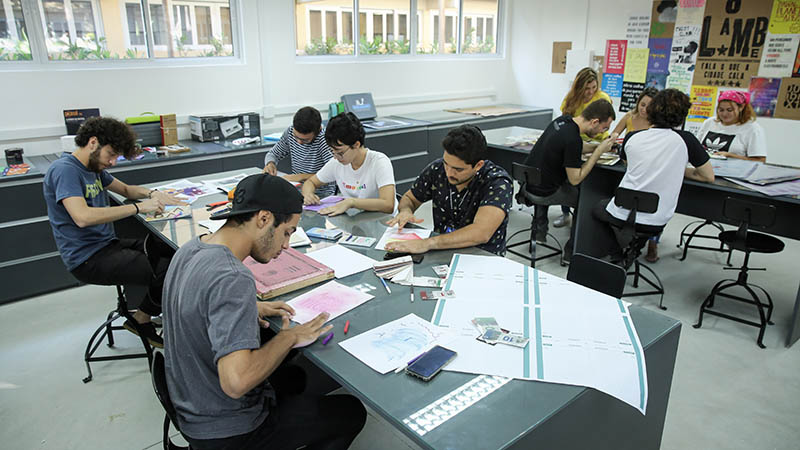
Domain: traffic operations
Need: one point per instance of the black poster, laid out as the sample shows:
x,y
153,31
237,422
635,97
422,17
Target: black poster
x,y
630,93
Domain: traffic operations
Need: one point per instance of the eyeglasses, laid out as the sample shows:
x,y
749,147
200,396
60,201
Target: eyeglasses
x,y
303,140
341,153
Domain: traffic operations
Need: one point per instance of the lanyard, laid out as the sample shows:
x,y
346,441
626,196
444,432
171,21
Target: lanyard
x,y
452,212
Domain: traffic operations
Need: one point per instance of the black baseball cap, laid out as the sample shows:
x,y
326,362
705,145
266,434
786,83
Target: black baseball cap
x,y
264,192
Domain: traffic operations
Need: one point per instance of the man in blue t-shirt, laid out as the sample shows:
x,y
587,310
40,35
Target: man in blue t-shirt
x,y
78,207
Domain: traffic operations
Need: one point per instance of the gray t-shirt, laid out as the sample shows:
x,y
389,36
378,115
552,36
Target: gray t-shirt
x,y
210,311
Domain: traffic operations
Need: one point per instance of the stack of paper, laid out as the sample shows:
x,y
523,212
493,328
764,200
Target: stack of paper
x,y
290,271
299,238
395,270
332,298
393,234
342,260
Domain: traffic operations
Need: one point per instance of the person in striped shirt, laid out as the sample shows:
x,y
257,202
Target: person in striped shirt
x,y
304,142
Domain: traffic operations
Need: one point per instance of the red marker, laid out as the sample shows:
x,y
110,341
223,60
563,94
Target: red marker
x,y
346,326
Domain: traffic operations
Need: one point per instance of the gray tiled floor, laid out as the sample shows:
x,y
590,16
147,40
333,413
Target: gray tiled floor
x,y
726,392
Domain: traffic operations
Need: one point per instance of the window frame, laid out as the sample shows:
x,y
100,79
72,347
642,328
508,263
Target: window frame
x,y
412,26
33,12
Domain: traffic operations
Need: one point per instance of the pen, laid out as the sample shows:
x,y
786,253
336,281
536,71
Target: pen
x,y
412,293
401,368
346,326
327,339
215,204
385,285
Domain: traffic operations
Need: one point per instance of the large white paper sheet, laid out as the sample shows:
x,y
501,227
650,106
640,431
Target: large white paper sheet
x,y
577,336
393,234
331,297
342,260
394,344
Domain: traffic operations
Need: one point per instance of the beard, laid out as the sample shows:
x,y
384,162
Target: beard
x,y
94,161
263,247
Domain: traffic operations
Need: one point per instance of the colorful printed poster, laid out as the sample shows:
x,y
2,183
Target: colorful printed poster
x,y
630,93
662,21
785,17
680,77
656,80
615,56
788,106
685,44
612,84
659,55
703,99
764,95
636,64
733,37
779,55
796,70
690,12
638,30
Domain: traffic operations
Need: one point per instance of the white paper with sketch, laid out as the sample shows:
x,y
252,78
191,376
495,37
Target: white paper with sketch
x,y
392,234
577,336
394,344
332,297
342,260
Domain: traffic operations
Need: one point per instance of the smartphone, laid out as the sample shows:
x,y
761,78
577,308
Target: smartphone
x,y
416,258
429,364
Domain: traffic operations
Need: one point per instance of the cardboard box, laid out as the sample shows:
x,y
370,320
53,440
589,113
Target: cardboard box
x,y
221,128
169,129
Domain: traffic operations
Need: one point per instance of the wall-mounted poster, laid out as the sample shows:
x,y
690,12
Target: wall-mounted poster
x,y
777,60
559,64
630,93
785,17
638,30
662,20
685,44
612,84
733,37
764,95
703,99
796,71
659,55
788,106
656,80
615,56
636,64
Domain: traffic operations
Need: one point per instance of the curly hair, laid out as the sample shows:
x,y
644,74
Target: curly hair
x,y
109,131
344,129
574,97
668,109
466,143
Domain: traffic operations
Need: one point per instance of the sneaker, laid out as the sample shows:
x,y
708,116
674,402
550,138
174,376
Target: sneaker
x,y
149,331
562,221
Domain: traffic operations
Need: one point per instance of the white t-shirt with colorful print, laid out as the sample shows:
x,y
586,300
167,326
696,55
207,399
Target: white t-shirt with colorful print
x,y
375,173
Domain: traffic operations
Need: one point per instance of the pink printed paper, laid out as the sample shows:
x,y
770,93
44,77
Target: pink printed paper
x,y
333,298
324,203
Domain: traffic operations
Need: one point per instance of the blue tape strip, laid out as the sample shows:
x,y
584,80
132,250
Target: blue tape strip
x,y
538,318
638,353
621,306
452,273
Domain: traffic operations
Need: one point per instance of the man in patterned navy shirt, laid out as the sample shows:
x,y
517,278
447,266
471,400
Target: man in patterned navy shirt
x,y
471,198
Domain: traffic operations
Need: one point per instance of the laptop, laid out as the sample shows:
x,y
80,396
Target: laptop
x,y
363,107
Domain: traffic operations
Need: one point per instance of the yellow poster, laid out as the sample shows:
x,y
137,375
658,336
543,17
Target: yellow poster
x,y
785,18
636,65
703,99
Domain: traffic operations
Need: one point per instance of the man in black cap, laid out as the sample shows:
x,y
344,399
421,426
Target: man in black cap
x,y
226,385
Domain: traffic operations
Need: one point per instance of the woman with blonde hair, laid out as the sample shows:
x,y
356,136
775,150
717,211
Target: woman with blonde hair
x,y
734,133
585,89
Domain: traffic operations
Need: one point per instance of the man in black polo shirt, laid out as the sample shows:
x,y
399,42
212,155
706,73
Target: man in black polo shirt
x,y
557,154
471,198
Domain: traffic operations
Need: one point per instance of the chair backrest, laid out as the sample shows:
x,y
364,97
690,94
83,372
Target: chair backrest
x,y
749,213
158,373
597,274
525,176
646,202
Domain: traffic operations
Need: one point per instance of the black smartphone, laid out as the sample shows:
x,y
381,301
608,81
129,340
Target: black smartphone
x,y
416,258
429,364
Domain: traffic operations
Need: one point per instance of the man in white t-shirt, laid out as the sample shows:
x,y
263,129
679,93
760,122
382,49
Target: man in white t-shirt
x,y
657,159
365,177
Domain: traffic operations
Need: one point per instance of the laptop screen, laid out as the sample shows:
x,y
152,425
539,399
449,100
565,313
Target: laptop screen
x,y
361,105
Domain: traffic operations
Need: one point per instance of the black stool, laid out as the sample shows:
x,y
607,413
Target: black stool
x,y
632,239
689,235
158,374
106,330
532,176
153,250
747,214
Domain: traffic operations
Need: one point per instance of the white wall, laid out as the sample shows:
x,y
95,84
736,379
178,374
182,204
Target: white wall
x,y
269,80
536,24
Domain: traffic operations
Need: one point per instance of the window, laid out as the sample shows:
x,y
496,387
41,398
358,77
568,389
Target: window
x,y
383,33
479,34
438,20
14,45
324,27
118,29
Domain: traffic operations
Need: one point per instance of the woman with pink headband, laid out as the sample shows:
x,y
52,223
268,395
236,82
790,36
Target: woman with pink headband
x,y
734,132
